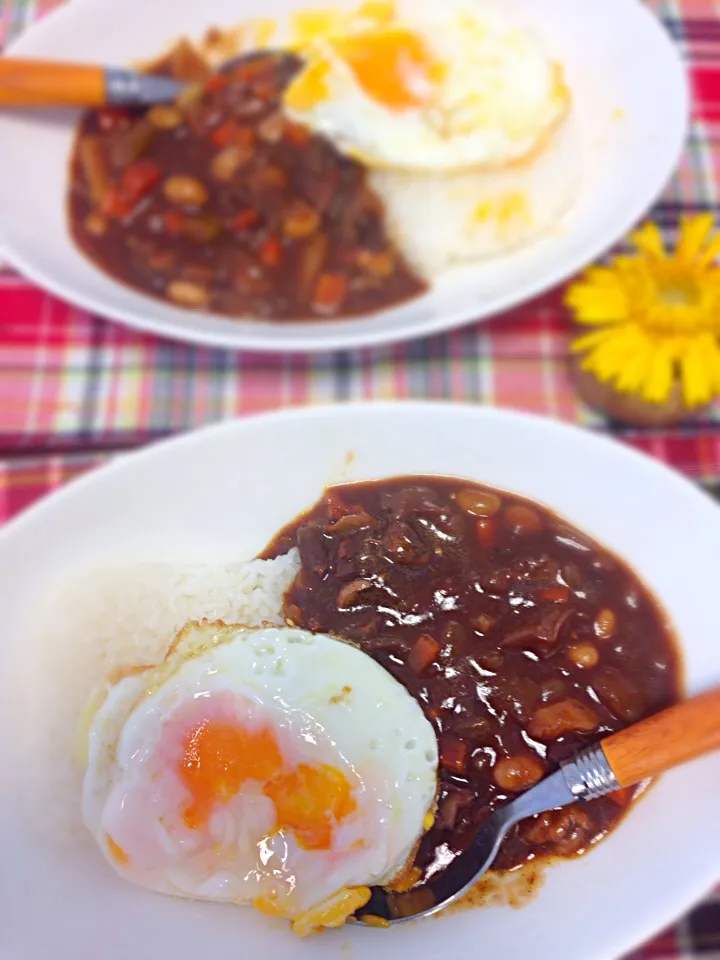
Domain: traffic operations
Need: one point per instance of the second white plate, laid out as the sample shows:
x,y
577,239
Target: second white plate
x,y
631,102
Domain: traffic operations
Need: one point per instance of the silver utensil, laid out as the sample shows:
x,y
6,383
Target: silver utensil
x,y
643,750
28,83
129,87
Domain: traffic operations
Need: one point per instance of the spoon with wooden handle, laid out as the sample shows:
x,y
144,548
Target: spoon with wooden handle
x,y
675,735
46,83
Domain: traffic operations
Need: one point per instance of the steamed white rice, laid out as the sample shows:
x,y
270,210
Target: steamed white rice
x,y
110,618
439,220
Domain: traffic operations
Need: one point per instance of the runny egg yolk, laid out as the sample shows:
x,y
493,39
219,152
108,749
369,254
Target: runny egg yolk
x,y
309,801
219,756
393,66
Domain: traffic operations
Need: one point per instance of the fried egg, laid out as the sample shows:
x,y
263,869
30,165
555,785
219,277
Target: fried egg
x,y
264,766
420,85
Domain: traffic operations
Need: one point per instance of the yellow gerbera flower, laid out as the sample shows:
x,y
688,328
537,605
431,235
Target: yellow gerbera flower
x,y
656,315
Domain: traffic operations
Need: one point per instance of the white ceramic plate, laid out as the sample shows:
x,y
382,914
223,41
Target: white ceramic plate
x,y
632,107
220,493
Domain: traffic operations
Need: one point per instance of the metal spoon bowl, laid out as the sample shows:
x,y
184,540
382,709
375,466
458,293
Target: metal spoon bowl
x,y
681,733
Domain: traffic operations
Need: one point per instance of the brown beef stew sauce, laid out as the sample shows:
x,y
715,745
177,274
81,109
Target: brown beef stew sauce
x,y
221,203
521,638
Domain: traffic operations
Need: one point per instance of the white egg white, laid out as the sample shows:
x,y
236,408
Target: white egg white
x,y
499,101
326,702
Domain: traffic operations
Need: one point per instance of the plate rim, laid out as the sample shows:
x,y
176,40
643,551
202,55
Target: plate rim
x,y
307,336
118,461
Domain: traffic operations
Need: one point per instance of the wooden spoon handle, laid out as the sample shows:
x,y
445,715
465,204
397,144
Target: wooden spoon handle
x,y
679,733
41,83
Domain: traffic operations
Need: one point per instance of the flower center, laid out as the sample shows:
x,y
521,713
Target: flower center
x,y
675,305
679,292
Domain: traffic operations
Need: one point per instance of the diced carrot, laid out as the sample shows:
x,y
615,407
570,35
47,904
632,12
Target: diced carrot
x,y
113,205
271,252
452,754
244,219
173,221
216,81
139,177
330,291
135,181
424,651
557,593
296,134
222,135
485,532
231,132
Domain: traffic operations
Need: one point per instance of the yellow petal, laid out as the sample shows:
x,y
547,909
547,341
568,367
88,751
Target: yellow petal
x,y
712,349
661,374
694,234
648,239
602,277
595,278
633,373
633,360
591,340
696,374
609,357
711,251
709,348
597,305
599,296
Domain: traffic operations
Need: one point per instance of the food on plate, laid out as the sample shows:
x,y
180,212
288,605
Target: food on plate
x,y
223,204
97,622
267,766
336,168
347,709
521,637
417,85
479,215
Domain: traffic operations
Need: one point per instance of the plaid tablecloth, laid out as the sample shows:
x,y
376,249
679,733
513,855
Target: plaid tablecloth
x,y
76,389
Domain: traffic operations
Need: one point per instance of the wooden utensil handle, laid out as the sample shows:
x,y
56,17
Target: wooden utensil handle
x,y
673,736
41,83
